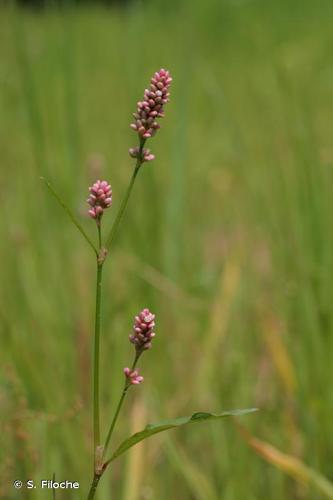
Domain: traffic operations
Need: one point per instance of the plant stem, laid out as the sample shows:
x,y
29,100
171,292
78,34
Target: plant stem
x,y
99,228
121,400
124,202
97,477
93,486
100,262
99,272
122,207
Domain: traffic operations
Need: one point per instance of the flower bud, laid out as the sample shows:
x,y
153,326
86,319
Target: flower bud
x,y
144,154
133,376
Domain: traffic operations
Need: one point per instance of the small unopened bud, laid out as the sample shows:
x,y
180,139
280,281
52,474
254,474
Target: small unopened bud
x,y
144,154
133,376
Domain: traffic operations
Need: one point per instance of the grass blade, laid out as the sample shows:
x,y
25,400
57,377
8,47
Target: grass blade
x,y
289,464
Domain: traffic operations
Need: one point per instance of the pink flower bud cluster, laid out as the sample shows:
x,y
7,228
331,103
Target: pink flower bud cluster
x,y
99,199
144,155
133,376
152,106
143,330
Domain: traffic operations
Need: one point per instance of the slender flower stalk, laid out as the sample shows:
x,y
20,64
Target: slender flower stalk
x,y
127,385
141,337
123,205
100,198
96,419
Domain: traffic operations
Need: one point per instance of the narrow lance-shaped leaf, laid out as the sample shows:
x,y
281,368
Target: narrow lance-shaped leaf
x,y
69,213
165,425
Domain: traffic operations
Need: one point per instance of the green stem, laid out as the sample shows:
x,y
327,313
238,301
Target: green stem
x,y
124,202
121,400
122,208
99,228
93,486
100,262
53,489
96,420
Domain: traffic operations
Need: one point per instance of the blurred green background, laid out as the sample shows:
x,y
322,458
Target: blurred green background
x,y
228,238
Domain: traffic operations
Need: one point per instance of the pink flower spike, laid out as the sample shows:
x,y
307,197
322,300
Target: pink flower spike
x,y
100,198
152,105
133,376
143,330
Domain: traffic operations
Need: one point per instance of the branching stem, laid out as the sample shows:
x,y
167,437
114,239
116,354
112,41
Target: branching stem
x,y
101,254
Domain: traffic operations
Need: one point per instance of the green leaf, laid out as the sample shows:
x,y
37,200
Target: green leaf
x,y
165,425
69,213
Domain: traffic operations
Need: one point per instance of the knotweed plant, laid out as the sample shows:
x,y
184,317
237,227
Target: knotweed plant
x,y
146,123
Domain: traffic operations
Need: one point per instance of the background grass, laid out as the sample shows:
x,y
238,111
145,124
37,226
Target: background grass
x,y
228,237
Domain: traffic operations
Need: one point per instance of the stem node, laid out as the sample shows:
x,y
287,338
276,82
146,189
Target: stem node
x,y
103,252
